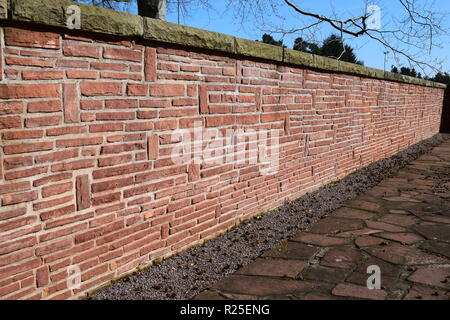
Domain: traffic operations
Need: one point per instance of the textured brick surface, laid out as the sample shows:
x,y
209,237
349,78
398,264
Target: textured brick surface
x,y
86,161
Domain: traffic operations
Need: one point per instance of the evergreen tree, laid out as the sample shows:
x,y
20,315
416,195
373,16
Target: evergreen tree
x,y
442,77
267,38
333,47
305,46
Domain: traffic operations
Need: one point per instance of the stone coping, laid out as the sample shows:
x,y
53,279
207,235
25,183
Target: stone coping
x,y
100,20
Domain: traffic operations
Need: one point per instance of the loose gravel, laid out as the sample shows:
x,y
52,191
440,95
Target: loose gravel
x,y
187,274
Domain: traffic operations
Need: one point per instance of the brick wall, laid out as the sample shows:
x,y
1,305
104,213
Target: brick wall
x,y
86,174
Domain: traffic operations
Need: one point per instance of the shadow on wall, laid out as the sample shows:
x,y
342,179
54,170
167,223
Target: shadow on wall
x,y
445,122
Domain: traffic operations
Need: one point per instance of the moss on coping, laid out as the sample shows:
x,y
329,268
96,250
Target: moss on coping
x,y
3,9
106,21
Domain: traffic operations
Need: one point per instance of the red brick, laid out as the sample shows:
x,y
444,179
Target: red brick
x,y
58,245
42,276
10,122
167,90
65,63
139,126
114,160
150,64
52,203
14,187
83,192
112,184
27,147
116,171
52,178
194,172
91,89
13,107
153,147
121,104
218,121
32,39
122,54
109,66
25,173
55,213
56,189
10,199
74,165
42,75
78,142
17,162
247,119
166,125
42,121
30,264
73,49
71,103
137,89
107,127
81,74
66,130
203,99
105,116
29,62
96,233
57,156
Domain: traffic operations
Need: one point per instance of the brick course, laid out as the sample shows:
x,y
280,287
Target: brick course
x,y
86,176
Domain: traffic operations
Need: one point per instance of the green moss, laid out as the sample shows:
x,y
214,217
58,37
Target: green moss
x,y
257,49
95,19
158,30
298,58
3,9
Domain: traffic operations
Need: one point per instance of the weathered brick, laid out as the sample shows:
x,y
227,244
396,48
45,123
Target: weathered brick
x,y
27,147
44,106
150,64
10,122
83,192
45,121
56,189
122,54
91,89
73,49
167,90
14,187
17,162
22,91
71,103
74,165
55,213
153,147
137,89
42,75
33,39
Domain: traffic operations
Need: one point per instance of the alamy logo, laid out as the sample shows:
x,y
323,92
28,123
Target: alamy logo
x,y
212,147
374,20
374,281
74,277
73,14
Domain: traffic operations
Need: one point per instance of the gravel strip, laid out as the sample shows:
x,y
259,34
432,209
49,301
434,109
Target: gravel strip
x,y
187,274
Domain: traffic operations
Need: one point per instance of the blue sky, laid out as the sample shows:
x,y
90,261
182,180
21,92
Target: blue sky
x,y
222,19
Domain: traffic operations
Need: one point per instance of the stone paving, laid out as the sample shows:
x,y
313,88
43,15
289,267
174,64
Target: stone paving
x,y
402,226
